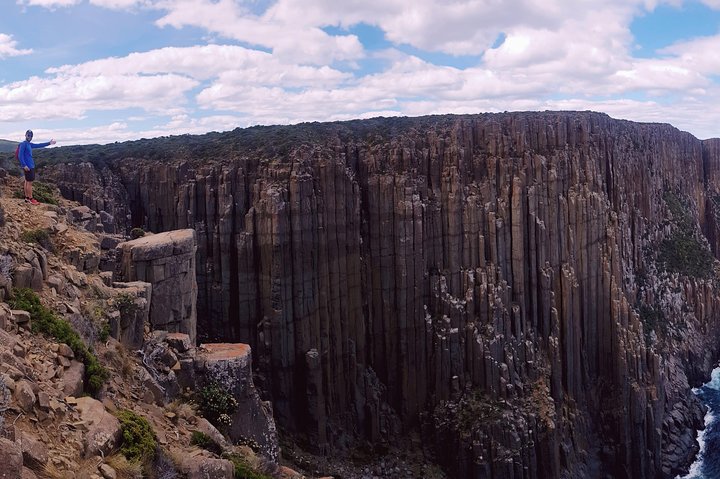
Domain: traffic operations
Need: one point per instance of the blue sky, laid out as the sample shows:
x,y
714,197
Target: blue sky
x,y
98,71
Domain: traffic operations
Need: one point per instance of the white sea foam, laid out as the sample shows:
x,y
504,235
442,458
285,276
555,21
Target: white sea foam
x,y
714,382
696,467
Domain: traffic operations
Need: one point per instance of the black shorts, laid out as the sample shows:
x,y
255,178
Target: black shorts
x,y
29,174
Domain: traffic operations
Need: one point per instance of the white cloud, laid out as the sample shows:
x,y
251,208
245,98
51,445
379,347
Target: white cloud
x,y
120,4
74,97
289,40
8,47
49,3
237,64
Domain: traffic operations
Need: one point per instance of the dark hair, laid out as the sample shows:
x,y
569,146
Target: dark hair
x,y
29,133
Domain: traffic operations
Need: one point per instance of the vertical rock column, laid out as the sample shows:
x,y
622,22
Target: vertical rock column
x,y
230,366
167,261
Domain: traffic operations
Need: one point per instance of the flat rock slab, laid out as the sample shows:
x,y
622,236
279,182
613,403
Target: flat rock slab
x,y
161,245
224,351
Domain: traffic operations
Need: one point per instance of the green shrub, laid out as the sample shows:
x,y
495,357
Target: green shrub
x,y
684,254
243,469
136,233
217,404
38,236
45,321
138,439
125,304
653,320
104,332
42,192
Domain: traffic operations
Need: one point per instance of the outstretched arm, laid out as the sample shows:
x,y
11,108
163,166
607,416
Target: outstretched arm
x,y
42,145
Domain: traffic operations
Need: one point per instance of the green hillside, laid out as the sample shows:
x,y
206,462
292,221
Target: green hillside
x,y
7,146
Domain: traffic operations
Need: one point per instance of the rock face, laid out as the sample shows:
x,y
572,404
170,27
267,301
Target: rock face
x,y
167,261
127,324
539,286
229,365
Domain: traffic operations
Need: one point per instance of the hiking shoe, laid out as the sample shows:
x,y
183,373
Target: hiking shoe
x,y
33,201
27,200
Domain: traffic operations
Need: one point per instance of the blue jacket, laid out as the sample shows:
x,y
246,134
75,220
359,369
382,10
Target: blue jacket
x,y
25,153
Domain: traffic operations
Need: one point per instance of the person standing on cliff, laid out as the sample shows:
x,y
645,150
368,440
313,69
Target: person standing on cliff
x,y
28,165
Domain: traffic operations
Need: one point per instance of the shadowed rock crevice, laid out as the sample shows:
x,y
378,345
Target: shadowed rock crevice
x,y
490,266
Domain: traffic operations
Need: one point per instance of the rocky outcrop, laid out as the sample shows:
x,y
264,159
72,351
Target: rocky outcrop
x,y
167,262
526,269
48,424
229,365
132,313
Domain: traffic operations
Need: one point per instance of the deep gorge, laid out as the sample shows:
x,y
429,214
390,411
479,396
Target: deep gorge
x,y
535,292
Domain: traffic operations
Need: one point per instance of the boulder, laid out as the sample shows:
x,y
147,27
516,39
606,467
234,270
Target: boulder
x,y
21,318
204,426
180,342
104,433
65,350
200,467
34,452
107,472
73,379
24,395
28,276
11,459
28,474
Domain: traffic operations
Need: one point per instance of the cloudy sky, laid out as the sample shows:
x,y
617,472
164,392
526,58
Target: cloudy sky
x,y
98,71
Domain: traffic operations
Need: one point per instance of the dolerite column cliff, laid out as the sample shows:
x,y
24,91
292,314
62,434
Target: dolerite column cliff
x,y
539,287
167,261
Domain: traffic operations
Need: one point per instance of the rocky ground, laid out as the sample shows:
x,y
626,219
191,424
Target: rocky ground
x,y
50,427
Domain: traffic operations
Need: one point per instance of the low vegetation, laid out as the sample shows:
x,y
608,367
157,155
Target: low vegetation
x,y
38,236
43,192
653,320
217,404
126,306
204,441
138,439
44,321
243,468
683,252
463,416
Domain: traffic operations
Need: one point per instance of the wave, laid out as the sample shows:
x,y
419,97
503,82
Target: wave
x,y
707,461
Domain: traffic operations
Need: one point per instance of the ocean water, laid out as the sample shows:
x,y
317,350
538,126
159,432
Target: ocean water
x,y
707,463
